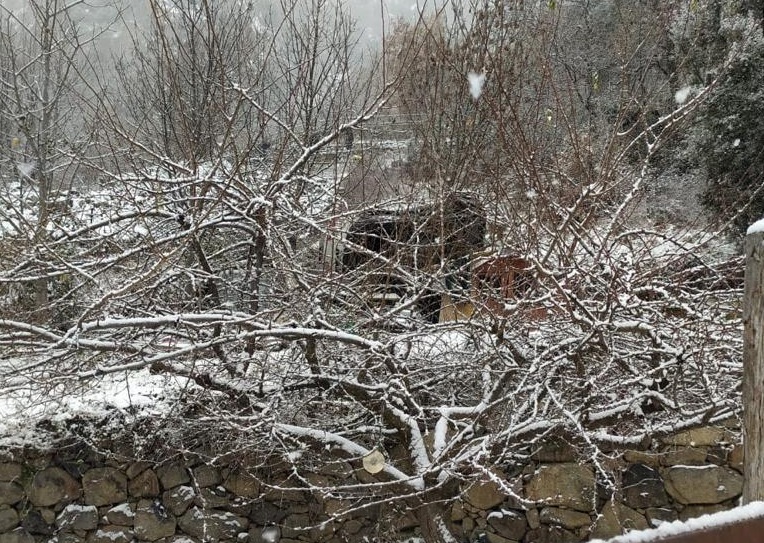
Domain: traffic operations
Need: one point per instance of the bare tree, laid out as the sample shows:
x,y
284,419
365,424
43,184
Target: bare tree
x,y
506,297
41,90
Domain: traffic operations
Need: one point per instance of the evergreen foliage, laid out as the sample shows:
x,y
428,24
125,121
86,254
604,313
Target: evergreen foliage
x,y
733,138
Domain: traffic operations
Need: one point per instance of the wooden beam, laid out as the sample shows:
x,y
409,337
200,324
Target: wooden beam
x,y
753,366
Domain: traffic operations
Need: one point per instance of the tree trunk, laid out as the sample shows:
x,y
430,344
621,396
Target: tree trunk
x,y
257,272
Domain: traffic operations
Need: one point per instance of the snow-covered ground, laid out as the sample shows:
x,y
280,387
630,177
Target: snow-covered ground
x,y
31,416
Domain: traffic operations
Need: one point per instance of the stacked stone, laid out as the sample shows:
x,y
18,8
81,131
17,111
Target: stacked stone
x,y
556,497
175,502
559,499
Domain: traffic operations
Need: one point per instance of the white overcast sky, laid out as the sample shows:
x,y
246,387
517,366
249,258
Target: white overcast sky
x,y
96,15
367,12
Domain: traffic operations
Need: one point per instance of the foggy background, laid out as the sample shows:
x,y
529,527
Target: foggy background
x,y
104,16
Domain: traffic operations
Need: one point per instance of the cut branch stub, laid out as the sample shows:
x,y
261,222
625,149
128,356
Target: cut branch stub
x,y
374,462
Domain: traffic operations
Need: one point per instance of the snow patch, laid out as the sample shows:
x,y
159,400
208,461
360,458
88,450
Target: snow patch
x,y
445,533
270,534
294,456
756,227
123,508
503,513
75,508
26,169
476,81
114,536
683,94
183,492
139,393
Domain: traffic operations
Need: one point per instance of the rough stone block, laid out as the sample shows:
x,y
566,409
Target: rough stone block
x,y
19,535
658,515
457,511
205,476
694,511
121,515
643,487
9,519
736,458
282,493
216,497
36,524
703,484
144,485
405,521
566,485
78,517
468,525
136,468
104,486
717,455
242,506
486,493
685,456
38,462
209,524
297,525
10,471
555,450
242,483
52,486
615,519
153,521
339,469
178,499
69,537
48,515
264,534
11,493
172,475
508,524
322,531
704,436
264,513
181,538
643,457
352,527
551,534
566,518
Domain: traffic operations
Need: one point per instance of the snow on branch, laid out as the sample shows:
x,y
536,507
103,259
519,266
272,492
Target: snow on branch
x,y
349,447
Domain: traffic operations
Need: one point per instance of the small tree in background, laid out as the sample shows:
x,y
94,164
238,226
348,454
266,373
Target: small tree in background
x,y
731,140
43,89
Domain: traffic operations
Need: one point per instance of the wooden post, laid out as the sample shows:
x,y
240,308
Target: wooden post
x,y
753,365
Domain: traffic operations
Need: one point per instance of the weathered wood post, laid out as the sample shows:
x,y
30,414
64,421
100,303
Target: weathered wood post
x,y
753,365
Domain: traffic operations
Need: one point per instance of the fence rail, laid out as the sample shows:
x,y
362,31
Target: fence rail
x,y
743,524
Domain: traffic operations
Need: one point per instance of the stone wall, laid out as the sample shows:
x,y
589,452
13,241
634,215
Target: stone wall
x,y
680,477
76,495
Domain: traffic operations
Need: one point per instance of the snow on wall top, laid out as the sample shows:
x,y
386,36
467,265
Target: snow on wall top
x,y
705,522
758,226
